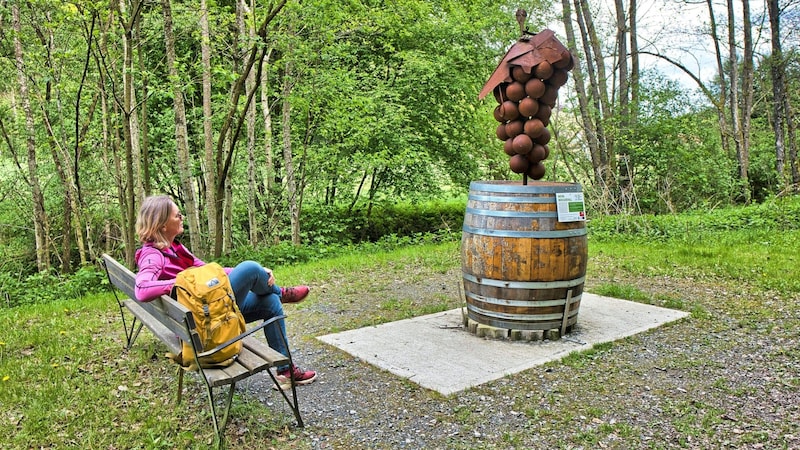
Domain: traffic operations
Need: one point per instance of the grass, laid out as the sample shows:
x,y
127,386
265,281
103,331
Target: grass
x,y
65,380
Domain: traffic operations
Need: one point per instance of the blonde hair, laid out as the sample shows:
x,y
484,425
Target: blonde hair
x,y
153,215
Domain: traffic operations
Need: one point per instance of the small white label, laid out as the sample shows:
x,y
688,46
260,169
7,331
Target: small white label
x,y
570,207
212,282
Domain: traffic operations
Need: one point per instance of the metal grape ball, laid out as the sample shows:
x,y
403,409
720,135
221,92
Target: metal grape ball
x,y
508,147
519,74
518,164
522,144
559,78
500,132
543,138
533,128
509,110
515,91
543,114
535,88
543,70
550,95
528,107
515,128
498,114
537,154
536,171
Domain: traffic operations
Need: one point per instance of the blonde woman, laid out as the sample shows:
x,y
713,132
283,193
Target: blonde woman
x,y
161,257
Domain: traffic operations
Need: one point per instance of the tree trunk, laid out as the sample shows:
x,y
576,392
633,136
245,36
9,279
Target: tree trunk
x,y
792,135
634,80
603,161
61,159
39,214
111,150
81,132
268,168
733,76
580,89
747,98
143,121
130,126
208,130
777,72
286,126
250,84
723,91
624,113
181,138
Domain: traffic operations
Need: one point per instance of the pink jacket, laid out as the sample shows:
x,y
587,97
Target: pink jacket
x,y
158,269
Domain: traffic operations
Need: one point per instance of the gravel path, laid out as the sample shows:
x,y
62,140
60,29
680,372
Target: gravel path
x,y
727,377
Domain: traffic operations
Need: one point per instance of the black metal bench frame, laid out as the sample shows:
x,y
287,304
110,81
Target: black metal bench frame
x,y
173,323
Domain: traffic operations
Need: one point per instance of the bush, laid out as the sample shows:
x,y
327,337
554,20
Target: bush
x,y
340,225
47,287
776,214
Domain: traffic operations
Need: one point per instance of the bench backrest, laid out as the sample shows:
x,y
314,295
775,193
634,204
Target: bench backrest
x,y
164,309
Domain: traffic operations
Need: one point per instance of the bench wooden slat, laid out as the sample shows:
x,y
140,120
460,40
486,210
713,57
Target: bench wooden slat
x,y
170,307
154,310
264,351
252,362
164,334
227,375
119,278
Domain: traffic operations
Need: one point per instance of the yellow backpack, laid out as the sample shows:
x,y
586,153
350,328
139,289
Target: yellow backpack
x,y
207,292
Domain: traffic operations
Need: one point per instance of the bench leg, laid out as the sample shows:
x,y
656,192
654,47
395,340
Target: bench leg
x,y
292,404
132,332
225,415
180,384
219,426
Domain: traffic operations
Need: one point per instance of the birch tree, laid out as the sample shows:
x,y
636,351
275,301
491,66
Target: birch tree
x,y
40,221
133,186
208,125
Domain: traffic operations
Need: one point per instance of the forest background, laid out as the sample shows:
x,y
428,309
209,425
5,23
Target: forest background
x,y
284,129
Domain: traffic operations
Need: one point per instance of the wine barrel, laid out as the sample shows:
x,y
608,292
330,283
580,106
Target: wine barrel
x,y
520,265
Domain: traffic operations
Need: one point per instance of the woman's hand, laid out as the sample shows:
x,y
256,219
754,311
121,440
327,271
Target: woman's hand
x,y
271,279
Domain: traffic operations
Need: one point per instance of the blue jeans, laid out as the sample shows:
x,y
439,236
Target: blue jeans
x,y
258,300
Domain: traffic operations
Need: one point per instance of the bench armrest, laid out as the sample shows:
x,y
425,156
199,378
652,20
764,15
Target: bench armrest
x,y
241,336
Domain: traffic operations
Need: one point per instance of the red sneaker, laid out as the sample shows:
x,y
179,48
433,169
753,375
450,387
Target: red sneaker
x,y
301,377
294,294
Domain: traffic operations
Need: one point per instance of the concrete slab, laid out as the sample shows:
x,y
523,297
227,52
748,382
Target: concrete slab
x,y
436,352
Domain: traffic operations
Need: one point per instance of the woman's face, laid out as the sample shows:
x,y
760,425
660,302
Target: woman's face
x,y
174,225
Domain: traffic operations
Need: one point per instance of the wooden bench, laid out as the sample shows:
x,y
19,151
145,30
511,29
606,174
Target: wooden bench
x,y
172,323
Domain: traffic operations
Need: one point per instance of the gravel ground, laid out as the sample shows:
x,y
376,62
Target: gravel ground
x,y
727,377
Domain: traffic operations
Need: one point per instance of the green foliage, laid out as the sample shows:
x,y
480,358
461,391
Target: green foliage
x,y
774,215
390,90
328,224
287,254
45,287
677,161
764,179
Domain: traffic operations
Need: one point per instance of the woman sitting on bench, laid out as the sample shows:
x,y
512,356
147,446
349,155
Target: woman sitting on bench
x,y
161,258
